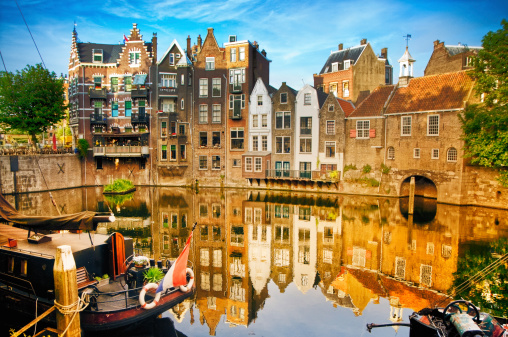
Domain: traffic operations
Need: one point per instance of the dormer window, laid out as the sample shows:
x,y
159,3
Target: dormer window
x,y
347,64
97,56
335,67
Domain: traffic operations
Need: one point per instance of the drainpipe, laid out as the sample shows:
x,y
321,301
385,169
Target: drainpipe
x,y
226,109
83,109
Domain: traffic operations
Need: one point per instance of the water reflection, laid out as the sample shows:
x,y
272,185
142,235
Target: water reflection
x,y
296,263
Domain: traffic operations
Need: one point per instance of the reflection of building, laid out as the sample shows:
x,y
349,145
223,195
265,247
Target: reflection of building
x,y
304,248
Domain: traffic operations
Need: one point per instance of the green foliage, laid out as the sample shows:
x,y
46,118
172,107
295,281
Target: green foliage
x,y
490,292
153,275
105,276
370,182
349,167
60,132
118,199
82,147
485,125
119,185
385,169
366,168
334,175
32,100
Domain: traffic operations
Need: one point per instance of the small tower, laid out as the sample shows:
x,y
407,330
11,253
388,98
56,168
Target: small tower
x,y
406,66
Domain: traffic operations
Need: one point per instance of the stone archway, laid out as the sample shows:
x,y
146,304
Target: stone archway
x,y
424,187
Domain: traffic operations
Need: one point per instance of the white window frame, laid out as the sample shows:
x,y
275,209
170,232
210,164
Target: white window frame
x,y
452,155
260,100
203,114
210,63
216,113
264,143
361,130
285,101
347,64
241,54
182,104
334,144
307,98
248,168
264,121
203,87
435,154
232,54
433,129
258,164
255,121
206,162
335,67
390,153
345,88
416,153
330,124
405,126
182,79
216,84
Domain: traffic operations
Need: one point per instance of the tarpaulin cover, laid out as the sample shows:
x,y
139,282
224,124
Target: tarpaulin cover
x,y
76,221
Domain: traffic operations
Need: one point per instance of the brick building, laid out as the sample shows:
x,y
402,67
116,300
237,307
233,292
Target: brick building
x,y
110,103
445,59
352,73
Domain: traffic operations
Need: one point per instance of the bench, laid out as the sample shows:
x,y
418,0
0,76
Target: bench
x,y
84,279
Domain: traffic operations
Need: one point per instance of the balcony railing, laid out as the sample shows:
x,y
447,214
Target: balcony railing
x,y
288,174
101,119
305,131
74,120
98,93
140,118
139,93
120,151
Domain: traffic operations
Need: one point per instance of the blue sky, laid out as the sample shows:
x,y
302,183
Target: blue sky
x,y
298,36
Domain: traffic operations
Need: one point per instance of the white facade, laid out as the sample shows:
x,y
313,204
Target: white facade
x,y
260,238
260,118
306,136
304,248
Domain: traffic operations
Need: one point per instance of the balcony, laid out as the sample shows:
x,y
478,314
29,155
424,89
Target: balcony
x,y
98,119
235,88
288,174
139,93
98,93
137,118
121,151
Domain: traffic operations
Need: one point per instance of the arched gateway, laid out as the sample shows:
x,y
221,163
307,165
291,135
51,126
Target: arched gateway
x,y
424,187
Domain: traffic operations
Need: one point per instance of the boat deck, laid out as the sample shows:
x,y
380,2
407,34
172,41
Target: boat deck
x,y
10,232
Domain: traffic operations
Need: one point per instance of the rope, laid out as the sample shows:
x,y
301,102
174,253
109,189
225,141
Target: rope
x,y
80,305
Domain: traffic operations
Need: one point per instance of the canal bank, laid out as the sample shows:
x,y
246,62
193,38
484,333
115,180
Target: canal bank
x,y
474,186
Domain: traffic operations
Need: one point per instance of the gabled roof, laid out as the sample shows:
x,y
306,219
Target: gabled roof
x,y
346,106
271,90
373,105
173,43
339,56
454,50
321,97
110,52
430,93
184,61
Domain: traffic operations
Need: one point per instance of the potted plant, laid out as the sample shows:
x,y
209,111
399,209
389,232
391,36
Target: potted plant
x,y
102,280
140,261
153,275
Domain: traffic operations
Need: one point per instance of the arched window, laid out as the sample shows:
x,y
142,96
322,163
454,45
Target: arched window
x,y
452,154
391,153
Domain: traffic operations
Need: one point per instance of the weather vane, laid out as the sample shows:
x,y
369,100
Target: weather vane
x,y
407,38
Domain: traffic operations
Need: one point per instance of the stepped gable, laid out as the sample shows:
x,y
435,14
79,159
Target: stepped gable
x,y
373,105
430,93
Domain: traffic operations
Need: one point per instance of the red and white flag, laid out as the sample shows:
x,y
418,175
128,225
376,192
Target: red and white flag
x,y
177,273
125,39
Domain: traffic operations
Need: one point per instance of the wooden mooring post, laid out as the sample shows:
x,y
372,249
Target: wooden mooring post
x,y
66,292
411,205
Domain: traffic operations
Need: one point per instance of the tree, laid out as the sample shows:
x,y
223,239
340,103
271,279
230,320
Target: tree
x,y
31,100
485,125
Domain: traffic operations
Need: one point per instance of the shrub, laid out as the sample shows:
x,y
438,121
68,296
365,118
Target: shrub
x,y
349,167
366,168
82,147
153,275
119,185
385,169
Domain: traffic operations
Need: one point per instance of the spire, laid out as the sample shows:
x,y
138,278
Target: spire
x,y
406,65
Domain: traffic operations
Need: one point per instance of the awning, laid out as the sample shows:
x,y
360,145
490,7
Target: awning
x,y
139,79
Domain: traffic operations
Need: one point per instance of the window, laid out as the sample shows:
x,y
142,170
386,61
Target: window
x,y
284,98
134,58
202,163
305,145
237,163
182,79
307,99
283,120
433,125
232,54
127,81
391,153
172,152
282,145
305,125
181,129
216,87
255,143
264,143
416,153
203,114
216,117
335,67
203,139
435,153
210,63
141,107
405,126
362,129
237,76
236,138
97,108
264,121
331,107
333,89
347,64
257,164
164,152
255,121
400,267
203,87
97,80
171,59
242,54
215,162
452,154
182,105
114,84
183,153
330,127
426,275
330,149
216,138
97,56
164,129
345,89
114,109
173,128
248,166
168,80
260,99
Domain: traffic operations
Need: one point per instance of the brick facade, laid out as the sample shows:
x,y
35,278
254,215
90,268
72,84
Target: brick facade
x,y
445,59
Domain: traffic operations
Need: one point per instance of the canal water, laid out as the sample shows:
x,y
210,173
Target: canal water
x,y
298,264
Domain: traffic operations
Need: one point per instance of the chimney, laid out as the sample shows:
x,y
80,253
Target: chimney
x,y
438,44
363,42
263,52
255,44
283,83
384,53
189,51
199,43
341,46
210,31
154,47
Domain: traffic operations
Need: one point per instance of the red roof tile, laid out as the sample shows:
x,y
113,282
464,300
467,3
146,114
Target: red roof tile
x,y
428,93
346,106
373,105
